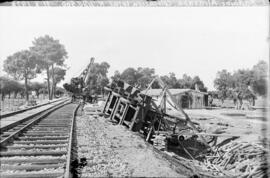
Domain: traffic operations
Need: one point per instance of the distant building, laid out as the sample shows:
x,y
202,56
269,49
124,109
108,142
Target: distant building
x,y
187,98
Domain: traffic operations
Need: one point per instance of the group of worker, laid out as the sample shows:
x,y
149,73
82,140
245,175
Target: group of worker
x,y
85,98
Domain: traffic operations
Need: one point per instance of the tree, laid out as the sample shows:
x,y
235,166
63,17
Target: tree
x,y
222,95
213,94
242,78
8,85
37,87
197,81
116,76
59,91
16,88
98,78
4,86
144,76
139,77
224,80
243,83
22,66
49,53
186,81
59,74
102,81
171,80
259,83
129,75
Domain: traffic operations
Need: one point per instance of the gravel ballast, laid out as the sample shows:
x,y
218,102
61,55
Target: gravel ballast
x,y
114,151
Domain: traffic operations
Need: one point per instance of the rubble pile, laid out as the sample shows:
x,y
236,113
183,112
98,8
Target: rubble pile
x,y
239,159
128,106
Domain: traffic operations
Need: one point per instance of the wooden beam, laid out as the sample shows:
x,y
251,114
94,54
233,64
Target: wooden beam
x,y
165,121
115,107
107,102
124,114
179,108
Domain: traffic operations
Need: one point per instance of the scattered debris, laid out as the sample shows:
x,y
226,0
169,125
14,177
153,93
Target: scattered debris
x,y
127,106
239,159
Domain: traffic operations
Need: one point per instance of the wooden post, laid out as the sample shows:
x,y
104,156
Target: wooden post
x,y
149,133
109,104
107,101
156,107
115,107
124,114
134,118
164,104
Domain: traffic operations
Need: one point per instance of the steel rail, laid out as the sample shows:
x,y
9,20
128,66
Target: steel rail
x,y
18,132
14,124
40,163
27,109
69,154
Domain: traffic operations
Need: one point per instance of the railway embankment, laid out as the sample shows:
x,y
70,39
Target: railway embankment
x,y
113,150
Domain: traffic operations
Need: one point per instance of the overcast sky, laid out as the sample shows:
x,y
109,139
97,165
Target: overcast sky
x,y
197,41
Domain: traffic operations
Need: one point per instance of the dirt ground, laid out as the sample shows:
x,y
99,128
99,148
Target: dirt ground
x,y
15,104
114,151
249,125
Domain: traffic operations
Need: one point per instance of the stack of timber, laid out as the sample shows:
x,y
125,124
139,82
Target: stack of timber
x,y
239,159
160,142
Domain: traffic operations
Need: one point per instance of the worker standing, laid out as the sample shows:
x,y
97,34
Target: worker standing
x,y
210,100
73,98
96,98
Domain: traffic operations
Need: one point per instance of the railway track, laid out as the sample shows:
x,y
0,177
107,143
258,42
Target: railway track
x,y
28,109
41,146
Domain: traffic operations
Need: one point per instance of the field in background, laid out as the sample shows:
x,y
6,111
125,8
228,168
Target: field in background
x,y
13,104
260,102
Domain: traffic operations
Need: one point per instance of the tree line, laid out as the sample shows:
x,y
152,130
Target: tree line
x,y
242,84
45,55
238,85
141,77
10,86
